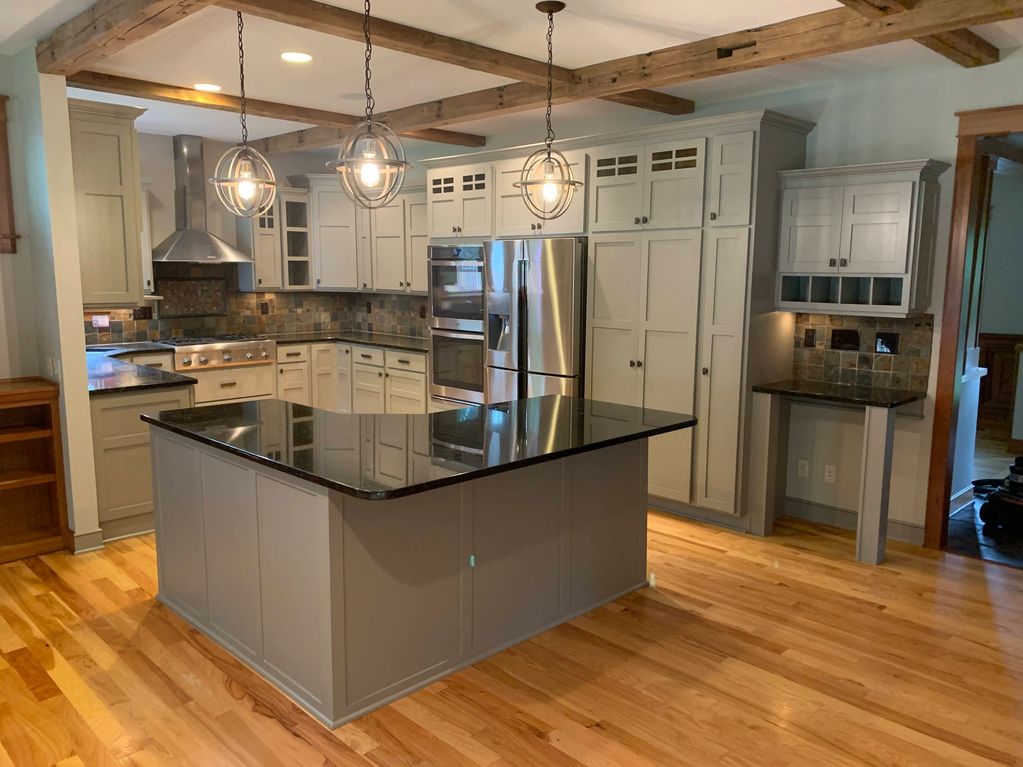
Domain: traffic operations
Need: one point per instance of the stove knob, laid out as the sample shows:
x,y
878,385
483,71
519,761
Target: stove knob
x,y
204,360
187,361
264,355
248,355
227,356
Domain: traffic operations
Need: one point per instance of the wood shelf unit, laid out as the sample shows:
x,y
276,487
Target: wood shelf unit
x,y
33,503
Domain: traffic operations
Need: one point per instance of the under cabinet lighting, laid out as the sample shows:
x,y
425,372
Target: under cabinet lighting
x,y
296,57
207,87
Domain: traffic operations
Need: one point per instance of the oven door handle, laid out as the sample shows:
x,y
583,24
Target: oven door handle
x,y
463,336
450,262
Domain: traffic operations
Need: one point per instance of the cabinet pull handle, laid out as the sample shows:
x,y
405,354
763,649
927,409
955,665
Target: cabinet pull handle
x,y
843,262
832,262
366,356
380,375
454,229
639,363
404,362
317,280
632,363
706,371
153,365
228,384
635,220
259,281
646,220
713,216
293,354
281,371
348,351
364,284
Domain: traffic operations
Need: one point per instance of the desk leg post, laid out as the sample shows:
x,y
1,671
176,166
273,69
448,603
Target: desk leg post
x,y
875,483
769,456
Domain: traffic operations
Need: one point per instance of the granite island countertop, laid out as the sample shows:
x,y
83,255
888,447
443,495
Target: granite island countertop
x,y
109,375
848,394
465,444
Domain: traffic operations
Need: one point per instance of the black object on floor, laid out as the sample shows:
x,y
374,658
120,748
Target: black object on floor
x,y
992,526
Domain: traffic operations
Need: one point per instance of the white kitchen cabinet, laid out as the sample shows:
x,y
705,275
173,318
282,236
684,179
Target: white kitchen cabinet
x,y
641,335
334,237
722,337
368,386
343,379
514,219
293,384
654,186
392,246
104,154
730,181
260,239
460,201
406,391
858,239
390,446
364,250
417,236
296,245
387,245
324,375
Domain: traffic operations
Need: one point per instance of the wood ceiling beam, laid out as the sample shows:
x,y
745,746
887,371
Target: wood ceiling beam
x,y
966,48
106,28
332,123
798,39
340,22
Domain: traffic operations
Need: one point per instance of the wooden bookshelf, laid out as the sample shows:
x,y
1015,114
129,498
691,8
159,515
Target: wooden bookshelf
x,y
33,501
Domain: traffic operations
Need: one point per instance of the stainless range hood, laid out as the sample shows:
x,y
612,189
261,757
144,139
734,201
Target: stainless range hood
x,y
191,243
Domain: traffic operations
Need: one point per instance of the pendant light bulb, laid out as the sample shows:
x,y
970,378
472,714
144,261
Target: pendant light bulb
x,y
244,180
371,162
546,181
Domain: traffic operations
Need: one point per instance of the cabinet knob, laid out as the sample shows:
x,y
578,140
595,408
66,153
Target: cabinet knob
x,y
259,281
713,216
317,280
646,220
454,229
632,363
635,220
639,363
706,371
364,284
380,375
843,262
832,262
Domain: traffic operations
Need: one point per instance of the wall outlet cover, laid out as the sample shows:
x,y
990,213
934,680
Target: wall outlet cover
x,y
845,339
829,474
264,307
810,338
886,343
369,308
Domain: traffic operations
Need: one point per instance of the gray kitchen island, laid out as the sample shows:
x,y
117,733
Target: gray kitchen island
x,y
351,559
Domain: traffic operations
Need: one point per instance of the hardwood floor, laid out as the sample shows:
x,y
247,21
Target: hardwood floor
x,y
781,651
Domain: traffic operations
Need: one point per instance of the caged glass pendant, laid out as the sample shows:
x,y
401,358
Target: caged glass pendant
x,y
546,180
371,163
243,179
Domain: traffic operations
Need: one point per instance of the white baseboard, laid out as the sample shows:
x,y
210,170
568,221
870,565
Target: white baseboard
x,y
696,513
846,519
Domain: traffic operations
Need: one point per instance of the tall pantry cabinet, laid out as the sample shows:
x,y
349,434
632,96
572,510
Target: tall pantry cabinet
x,y
680,310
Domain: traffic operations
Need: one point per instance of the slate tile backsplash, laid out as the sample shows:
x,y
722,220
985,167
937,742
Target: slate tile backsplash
x,y
908,369
255,313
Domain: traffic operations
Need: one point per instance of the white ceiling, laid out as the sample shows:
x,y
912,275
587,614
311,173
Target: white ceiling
x,y
201,48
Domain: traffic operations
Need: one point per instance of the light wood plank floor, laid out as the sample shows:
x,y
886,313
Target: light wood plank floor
x,y
748,652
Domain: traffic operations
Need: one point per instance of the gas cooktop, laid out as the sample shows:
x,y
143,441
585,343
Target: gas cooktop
x,y
198,340
222,351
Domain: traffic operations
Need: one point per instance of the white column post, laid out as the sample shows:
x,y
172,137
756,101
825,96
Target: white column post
x,y
875,481
769,416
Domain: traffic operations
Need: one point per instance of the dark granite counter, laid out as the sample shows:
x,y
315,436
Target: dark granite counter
x,y
844,393
385,340
462,444
110,375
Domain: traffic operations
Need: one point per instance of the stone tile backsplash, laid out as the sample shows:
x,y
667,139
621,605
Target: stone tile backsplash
x,y
199,314
908,369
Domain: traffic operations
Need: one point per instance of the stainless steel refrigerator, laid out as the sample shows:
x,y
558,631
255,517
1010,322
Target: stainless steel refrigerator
x,y
534,302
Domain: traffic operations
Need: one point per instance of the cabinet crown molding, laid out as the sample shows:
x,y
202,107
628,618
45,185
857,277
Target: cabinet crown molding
x,y
930,169
101,109
696,126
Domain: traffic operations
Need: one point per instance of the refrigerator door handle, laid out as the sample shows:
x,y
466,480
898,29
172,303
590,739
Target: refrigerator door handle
x,y
521,277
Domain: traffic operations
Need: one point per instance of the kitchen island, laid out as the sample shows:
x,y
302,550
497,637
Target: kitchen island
x,y
351,559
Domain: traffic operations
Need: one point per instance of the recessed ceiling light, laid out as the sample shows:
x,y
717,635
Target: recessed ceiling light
x,y
208,87
296,57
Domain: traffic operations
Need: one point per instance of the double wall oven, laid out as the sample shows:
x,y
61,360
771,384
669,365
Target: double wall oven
x,y
456,322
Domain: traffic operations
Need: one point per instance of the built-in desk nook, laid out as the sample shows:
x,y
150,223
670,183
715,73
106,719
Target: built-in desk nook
x,y
769,448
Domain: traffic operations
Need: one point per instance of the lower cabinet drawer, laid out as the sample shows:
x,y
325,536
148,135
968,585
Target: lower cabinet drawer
x,y
406,361
368,355
234,383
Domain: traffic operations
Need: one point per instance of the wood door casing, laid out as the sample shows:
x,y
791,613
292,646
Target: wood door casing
x,y
998,388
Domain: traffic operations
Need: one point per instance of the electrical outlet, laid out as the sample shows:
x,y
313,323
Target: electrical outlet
x,y
829,474
803,468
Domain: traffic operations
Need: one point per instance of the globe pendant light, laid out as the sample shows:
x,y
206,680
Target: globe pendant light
x,y
244,179
371,162
546,181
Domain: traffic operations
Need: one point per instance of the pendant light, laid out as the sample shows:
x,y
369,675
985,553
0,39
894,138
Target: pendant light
x,y
371,162
546,181
244,179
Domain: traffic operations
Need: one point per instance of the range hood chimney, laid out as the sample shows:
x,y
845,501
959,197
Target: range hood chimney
x,y
191,243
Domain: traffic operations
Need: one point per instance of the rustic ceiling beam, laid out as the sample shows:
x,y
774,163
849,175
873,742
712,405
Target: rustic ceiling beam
x,y
962,46
340,22
333,122
106,28
799,39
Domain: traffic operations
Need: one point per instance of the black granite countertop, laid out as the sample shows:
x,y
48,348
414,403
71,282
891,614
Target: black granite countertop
x,y
326,448
848,394
110,375
385,340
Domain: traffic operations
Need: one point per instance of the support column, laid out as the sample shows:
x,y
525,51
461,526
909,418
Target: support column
x,y
875,482
768,458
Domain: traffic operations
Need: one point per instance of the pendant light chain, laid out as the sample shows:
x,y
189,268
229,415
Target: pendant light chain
x,y
550,79
370,103
241,79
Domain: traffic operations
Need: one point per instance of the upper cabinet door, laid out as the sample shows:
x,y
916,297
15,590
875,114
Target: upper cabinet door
x,y
616,188
334,238
875,228
476,201
673,192
730,187
417,237
107,191
573,220
388,235
513,218
443,200
810,230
